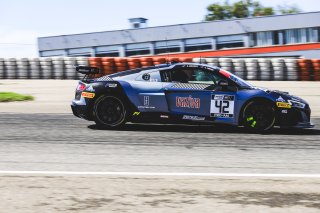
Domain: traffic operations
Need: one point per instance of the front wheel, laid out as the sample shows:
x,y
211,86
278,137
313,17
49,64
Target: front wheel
x,y
109,112
259,116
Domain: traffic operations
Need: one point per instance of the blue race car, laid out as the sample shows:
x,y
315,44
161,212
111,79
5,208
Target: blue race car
x,y
187,93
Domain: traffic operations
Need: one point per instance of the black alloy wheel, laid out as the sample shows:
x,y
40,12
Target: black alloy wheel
x,y
259,116
109,112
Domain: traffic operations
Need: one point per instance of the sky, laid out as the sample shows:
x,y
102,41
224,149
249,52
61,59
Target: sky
x,y
22,22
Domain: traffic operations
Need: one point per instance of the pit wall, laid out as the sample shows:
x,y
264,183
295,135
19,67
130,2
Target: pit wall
x,y
267,69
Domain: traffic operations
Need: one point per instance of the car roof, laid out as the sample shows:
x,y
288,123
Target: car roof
x,y
138,70
161,67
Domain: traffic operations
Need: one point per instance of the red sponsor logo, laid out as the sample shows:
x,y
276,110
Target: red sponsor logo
x,y
188,102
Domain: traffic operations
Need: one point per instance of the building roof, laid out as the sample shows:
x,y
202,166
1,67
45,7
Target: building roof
x,y
181,31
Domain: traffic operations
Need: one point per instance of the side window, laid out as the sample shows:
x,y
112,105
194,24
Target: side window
x,y
204,77
192,76
149,77
181,76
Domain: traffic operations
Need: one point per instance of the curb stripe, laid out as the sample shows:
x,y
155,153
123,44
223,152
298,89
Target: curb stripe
x,y
160,174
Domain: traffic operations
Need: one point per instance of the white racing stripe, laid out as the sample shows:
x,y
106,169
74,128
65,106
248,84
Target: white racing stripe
x,y
161,174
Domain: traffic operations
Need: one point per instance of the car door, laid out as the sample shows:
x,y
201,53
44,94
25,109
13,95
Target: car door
x,y
149,88
195,91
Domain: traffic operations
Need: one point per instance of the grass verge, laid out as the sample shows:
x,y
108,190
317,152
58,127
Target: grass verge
x,y
11,96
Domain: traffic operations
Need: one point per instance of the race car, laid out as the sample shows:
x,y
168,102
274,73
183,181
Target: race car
x,y
184,93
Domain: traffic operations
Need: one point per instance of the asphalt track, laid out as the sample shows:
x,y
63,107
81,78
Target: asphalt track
x,y
51,161
61,142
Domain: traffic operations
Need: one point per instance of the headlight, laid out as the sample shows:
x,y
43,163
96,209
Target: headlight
x,y
296,104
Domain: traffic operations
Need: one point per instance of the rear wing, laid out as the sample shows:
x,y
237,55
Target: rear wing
x,y
89,72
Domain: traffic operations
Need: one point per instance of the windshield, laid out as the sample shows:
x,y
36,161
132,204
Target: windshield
x,y
242,83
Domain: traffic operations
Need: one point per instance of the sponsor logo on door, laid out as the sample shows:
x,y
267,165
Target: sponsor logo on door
x,y
188,102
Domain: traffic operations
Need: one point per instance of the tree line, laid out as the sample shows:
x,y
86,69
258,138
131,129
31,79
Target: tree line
x,y
244,9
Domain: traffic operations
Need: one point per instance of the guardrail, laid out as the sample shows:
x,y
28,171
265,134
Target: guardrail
x,y
278,69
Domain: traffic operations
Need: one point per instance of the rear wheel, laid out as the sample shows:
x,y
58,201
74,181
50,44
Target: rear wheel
x,y
258,116
109,112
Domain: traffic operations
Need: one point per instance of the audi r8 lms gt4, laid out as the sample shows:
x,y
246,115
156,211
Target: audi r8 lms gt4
x,y
187,93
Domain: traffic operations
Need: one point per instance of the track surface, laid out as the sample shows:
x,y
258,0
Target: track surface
x,y
62,142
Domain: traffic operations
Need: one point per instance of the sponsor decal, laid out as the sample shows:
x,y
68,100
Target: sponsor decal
x,y
164,116
283,105
146,103
218,97
280,99
284,111
111,85
208,68
146,76
188,102
88,94
136,114
192,117
146,100
190,65
222,106
90,89
146,107
198,66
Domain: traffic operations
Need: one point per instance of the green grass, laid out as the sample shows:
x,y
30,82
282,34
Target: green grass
x,y
11,96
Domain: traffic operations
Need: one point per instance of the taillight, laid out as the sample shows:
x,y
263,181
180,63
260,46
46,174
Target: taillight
x,y
81,87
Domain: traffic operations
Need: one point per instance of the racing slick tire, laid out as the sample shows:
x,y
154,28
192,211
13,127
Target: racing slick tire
x,y
258,116
109,112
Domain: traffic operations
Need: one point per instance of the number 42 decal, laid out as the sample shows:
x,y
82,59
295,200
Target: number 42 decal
x,y
222,106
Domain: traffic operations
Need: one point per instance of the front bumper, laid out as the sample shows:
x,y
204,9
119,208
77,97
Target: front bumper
x,y
301,125
295,118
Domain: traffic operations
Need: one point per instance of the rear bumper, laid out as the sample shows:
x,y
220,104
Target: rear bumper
x,y
80,111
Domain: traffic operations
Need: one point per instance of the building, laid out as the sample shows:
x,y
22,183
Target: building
x,y
279,35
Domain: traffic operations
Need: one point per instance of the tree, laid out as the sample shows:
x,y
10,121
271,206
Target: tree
x,y
266,11
240,9
244,9
287,9
218,12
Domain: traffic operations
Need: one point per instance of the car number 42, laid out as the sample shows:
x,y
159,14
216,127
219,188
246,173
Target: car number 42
x,y
222,106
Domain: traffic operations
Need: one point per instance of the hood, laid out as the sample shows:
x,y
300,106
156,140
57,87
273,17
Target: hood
x,y
282,96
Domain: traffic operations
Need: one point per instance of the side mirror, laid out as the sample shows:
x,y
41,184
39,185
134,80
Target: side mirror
x,y
224,86
223,83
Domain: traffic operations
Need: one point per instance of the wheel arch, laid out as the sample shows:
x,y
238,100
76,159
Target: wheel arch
x,y
256,99
113,91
